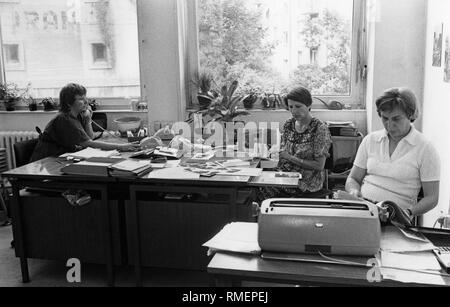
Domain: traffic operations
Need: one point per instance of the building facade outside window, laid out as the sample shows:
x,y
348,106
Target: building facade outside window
x,y
94,43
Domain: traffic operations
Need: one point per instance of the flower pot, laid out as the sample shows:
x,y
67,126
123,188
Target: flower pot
x,y
204,101
249,101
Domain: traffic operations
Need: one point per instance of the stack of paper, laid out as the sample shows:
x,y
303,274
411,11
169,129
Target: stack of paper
x,y
130,168
91,167
236,237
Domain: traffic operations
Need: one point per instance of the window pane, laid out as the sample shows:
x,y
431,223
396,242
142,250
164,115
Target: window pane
x,y
12,53
57,37
99,51
274,45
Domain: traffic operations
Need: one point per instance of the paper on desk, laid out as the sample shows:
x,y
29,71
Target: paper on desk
x,y
91,153
172,173
421,261
393,240
412,277
236,237
239,171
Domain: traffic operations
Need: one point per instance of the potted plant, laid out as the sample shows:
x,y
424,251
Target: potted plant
x,y
10,95
205,94
93,104
250,99
32,104
224,108
49,104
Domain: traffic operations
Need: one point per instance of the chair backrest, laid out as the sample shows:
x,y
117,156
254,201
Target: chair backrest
x,y
23,151
100,119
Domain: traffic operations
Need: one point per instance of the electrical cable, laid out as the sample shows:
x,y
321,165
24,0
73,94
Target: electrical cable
x,y
345,262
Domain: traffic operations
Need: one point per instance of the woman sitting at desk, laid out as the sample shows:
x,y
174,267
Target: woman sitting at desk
x,y
305,142
71,129
396,162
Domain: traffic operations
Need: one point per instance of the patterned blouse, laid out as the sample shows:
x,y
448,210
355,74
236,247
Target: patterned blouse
x,y
311,144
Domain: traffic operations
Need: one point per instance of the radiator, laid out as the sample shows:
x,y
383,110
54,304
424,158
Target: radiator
x,y
7,141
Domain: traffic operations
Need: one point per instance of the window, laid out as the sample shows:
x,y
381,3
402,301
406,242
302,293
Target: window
x,y
238,41
13,56
12,53
99,53
91,42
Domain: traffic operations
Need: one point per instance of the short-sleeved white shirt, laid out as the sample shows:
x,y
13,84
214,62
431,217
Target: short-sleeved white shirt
x,y
398,177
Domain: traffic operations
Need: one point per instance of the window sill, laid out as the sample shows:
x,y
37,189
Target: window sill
x,y
56,111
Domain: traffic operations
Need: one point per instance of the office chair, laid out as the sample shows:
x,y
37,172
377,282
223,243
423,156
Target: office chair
x,y
23,151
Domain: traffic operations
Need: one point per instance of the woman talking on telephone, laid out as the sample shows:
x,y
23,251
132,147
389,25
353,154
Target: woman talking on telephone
x,y
71,129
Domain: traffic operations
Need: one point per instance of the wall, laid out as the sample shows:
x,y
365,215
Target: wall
x,y
396,50
161,59
27,121
436,124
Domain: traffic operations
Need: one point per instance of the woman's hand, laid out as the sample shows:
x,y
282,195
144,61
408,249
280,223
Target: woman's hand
x,y
86,114
128,147
285,156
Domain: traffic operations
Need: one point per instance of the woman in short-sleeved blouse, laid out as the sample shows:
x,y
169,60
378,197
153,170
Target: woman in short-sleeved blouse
x,y
395,163
304,147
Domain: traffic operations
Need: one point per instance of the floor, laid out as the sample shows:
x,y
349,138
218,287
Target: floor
x,y
53,273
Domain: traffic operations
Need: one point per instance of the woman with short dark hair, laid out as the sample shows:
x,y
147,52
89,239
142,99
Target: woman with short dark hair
x,y
397,162
304,147
71,129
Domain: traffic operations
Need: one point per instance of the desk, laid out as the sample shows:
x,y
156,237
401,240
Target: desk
x,y
121,220
232,269
52,229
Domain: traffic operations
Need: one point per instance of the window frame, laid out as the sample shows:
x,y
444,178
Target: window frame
x,y
356,99
110,103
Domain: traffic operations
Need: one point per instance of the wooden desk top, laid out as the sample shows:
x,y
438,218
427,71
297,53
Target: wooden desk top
x,y
50,169
248,267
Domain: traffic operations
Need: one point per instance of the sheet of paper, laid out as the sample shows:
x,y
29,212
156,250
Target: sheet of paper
x,y
413,235
393,240
412,277
421,261
237,171
172,163
91,153
236,237
172,173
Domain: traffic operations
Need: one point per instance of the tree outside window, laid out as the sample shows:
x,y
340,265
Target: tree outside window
x,y
238,39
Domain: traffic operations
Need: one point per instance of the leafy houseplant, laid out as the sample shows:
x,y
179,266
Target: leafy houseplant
x,y
10,95
93,104
49,104
205,93
224,108
32,104
250,99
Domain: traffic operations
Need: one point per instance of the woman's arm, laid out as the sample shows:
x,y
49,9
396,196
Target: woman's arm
x,y
86,119
316,165
111,146
354,181
430,199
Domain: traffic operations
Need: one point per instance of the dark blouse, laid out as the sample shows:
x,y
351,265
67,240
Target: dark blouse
x,y
311,144
64,133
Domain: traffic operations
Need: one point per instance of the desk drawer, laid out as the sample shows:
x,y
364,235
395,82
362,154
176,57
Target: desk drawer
x,y
55,230
172,232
